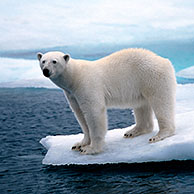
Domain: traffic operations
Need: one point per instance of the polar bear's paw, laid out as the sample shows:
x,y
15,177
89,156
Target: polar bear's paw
x,y
136,131
76,147
85,141
160,136
156,138
89,150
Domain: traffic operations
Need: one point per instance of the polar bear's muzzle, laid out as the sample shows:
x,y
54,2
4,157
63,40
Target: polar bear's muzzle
x,y
46,72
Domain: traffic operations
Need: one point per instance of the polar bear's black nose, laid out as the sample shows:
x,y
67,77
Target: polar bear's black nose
x,y
46,72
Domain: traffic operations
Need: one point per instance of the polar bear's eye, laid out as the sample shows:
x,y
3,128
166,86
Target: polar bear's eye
x,y
43,61
54,61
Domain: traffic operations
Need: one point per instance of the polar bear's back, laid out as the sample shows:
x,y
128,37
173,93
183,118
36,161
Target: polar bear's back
x,y
137,63
135,72
136,58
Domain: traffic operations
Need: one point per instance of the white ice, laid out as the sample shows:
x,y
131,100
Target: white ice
x,y
186,73
118,149
22,73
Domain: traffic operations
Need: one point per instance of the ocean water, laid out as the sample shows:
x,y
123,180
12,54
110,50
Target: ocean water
x,y
28,114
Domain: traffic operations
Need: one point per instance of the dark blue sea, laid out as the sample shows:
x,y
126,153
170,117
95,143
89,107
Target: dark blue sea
x,y
29,114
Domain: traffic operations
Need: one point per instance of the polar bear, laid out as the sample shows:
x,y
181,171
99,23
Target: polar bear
x,y
130,78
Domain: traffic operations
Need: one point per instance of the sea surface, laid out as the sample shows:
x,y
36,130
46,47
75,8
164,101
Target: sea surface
x,y
29,114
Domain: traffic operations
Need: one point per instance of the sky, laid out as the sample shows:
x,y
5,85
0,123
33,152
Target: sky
x,y
42,24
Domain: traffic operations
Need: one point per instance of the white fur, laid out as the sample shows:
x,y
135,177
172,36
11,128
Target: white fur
x,y
131,78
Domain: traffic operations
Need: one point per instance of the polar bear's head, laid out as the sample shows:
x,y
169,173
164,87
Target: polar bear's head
x,y
53,63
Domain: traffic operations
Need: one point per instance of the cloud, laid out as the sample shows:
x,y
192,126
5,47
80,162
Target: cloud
x,y
35,24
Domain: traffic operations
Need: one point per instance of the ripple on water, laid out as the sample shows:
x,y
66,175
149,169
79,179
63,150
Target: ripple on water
x,y
27,115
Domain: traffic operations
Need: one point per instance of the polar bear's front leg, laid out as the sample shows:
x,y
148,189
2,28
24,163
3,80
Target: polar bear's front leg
x,y
96,118
81,120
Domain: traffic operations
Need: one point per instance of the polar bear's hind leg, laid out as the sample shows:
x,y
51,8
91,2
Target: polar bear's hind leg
x,y
144,122
164,112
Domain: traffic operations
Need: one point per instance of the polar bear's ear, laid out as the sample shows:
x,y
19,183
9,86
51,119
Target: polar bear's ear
x,y
66,57
39,56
